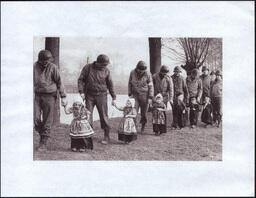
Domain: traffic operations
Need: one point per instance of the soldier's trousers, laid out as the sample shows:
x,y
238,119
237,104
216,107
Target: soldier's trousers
x,y
178,116
101,102
217,108
141,101
43,113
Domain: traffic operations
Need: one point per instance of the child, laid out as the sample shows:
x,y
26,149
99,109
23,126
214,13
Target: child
x,y
127,129
181,111
206,116
158,115
194,110
80,130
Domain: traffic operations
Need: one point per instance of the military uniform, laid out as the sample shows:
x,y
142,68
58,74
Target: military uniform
x,y
140,87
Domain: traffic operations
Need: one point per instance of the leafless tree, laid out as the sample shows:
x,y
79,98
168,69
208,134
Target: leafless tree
x,y
155,54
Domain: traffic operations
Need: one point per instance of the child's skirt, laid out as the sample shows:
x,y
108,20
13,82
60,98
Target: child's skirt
x,y
127,130
206,116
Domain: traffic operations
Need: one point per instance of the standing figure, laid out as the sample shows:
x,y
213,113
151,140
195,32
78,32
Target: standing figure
x,y
181,109
140,87
94,83
194,111
127,129
206,83
206,116
47,84
216,98
180,88
158,115
80,129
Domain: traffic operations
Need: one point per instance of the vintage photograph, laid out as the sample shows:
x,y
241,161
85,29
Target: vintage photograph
x,y
127,98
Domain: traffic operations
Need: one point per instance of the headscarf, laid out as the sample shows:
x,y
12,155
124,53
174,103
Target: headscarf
x,y
132,101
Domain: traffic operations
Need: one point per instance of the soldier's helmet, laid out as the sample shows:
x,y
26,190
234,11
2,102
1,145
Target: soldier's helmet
x,y
103,60
205,68
164,69
218,73
177,69
45,55
141,65
195,72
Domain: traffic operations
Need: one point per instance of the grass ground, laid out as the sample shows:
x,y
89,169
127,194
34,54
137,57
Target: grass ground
x,y
186,144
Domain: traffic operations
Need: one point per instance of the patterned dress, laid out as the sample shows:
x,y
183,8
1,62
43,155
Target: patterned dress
x,y
159,117
81,131
127,129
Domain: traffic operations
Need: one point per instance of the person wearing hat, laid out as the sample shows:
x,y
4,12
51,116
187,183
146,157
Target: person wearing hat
x,y
140,87
47,83
179,88
94,83
206,82
163,84
216,98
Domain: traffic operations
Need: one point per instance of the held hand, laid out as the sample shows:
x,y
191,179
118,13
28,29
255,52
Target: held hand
x,y
113,102
64,102
82,96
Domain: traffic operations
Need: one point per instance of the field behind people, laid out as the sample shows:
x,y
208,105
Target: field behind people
x,y
199,144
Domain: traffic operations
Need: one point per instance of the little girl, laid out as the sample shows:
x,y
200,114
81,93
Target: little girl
x,y
80,130
206,116
158,115
194,111
127,129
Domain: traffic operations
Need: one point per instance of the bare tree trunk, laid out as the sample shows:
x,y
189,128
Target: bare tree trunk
x,y
52,44
155,54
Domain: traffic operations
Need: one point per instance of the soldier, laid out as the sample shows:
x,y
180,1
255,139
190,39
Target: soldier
x,y
216,98
93,85
180,88
194,84
163,84
47,82
206,82
140,87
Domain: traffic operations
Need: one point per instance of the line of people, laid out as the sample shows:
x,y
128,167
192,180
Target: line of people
x,y
146,92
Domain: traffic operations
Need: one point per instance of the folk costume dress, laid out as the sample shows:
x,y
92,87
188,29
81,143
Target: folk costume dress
x,y
81,131
159,118
127,129
206,116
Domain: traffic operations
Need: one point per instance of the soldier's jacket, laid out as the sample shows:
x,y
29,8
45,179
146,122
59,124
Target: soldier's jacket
x,y
206,81
216,88
140,85
95,81
180,87
194,87
47,80
163,86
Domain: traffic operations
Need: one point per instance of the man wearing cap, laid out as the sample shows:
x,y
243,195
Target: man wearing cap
x,y
140,87
94,83
206,82
194,83
179,87
216,98
163,84
47,82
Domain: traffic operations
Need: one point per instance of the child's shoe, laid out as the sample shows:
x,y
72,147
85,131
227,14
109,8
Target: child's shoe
x,y
193,126
73,149
82,150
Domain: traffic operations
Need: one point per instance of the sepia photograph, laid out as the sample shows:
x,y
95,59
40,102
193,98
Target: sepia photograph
x,y
127,98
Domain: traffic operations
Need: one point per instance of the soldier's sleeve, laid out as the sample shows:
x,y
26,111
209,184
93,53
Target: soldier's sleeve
x,y
81,83
200,89
150,86
110,86
130,85
171,89
57,80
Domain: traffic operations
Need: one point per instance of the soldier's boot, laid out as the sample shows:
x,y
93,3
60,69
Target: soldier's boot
x,y
142,128
106,137
42,145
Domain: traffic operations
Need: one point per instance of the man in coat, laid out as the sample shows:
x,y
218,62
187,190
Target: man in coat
x,y
47,84
206,83
180,88
140,87
94,83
